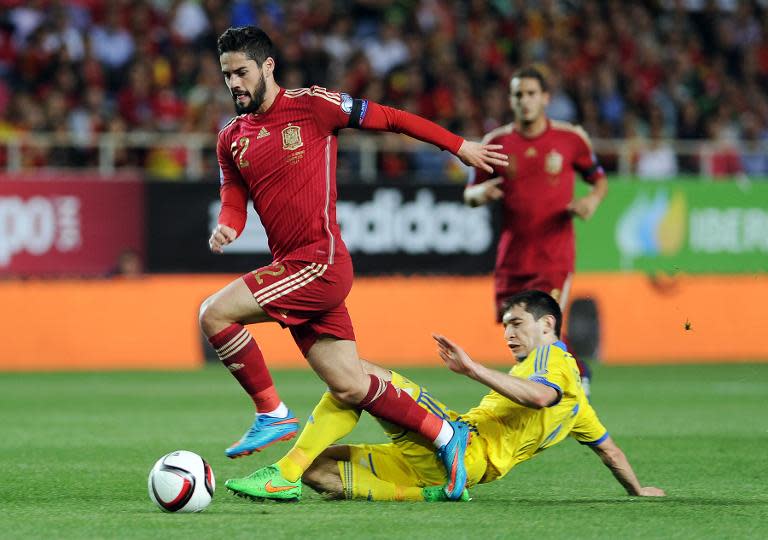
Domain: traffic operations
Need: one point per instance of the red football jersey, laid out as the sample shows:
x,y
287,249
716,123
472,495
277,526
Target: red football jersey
x,y
284,160
537,231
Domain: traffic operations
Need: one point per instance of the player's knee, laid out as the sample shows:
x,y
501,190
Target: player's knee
x,y
349,394
313,475
350,386
210,316
374,369
323,476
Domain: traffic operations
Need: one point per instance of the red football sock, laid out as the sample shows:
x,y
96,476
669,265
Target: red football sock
x,y
242,356
389,403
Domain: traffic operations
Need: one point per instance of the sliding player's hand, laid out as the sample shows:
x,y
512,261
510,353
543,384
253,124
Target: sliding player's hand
x,y
482,156
220,237
650,491
454,356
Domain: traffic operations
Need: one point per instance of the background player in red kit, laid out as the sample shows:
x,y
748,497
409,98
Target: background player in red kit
x,y
280,152
536,249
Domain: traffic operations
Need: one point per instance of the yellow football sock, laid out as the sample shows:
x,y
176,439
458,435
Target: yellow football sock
x,y
363,484
415,391
329,422
404,383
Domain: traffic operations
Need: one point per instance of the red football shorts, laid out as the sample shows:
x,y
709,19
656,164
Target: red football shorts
x,y
306,297
557,284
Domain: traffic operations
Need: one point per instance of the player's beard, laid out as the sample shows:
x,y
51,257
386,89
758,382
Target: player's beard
x,y
257,98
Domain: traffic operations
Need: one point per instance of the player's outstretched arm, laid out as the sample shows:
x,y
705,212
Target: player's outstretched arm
x,y
482,156
617,462
527,393
382,118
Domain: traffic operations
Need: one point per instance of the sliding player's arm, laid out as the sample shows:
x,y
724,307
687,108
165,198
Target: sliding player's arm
x,y
528,393
589,431
613,458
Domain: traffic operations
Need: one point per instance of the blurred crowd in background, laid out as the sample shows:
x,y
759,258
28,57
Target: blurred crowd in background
x,y
646,72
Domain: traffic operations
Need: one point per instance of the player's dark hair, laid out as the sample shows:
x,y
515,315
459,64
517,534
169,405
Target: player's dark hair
x,y
252,41
538,304
531,72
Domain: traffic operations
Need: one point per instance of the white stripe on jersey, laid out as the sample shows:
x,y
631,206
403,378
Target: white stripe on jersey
x,y
332,248
293,285
281,283
319,92
333,97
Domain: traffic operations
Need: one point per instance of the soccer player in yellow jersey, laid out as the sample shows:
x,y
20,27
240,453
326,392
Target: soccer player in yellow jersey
x,y
533,407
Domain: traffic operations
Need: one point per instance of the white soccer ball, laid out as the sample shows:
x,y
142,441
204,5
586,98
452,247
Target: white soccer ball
x,y
181,481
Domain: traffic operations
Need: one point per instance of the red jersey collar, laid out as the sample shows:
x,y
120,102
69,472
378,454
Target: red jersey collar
x,y
278,97
546,129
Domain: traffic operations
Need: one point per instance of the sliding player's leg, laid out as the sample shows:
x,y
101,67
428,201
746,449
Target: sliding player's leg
x,y
376,473
330,421
337,363
407,469
222,317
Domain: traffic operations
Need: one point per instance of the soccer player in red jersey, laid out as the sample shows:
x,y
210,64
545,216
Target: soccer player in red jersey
x,y
280,152
537,248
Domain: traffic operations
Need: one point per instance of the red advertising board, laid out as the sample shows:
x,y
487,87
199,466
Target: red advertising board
x,y
71,226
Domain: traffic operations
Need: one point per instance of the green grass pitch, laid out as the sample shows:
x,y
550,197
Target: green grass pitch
x,y
75,449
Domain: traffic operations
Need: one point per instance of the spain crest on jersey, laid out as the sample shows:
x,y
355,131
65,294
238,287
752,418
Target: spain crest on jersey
x,y
553,162
292,137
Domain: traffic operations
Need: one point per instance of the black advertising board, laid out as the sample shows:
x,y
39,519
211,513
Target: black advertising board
x,y
411,229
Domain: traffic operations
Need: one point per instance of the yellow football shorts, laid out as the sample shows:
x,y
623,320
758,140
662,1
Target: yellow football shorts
x,y
411,462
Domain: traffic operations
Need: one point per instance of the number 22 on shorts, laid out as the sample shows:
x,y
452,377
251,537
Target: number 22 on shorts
x,y
279,269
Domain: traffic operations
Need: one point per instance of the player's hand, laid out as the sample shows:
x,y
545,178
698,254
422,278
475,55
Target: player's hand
x,y
482,156
650,491
584,207
454,356
220,237
484,192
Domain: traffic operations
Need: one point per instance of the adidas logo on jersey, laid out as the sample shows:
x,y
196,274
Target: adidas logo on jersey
x,y
262,133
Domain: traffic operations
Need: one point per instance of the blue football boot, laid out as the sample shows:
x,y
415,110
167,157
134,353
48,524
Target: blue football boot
x,y
452,456
265,431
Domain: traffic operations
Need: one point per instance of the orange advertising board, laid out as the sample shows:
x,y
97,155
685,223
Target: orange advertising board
x,y
151,322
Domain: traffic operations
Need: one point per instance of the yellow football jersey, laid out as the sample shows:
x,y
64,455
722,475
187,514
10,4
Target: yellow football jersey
x,y
514,433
